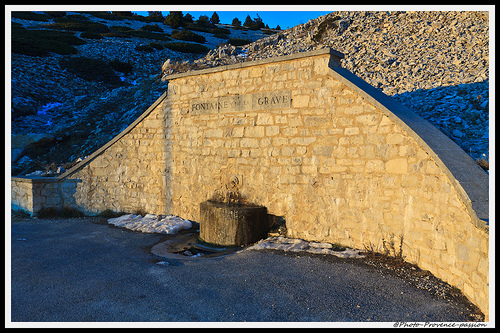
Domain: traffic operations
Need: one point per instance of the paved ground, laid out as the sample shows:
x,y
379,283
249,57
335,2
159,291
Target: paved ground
x,y
77,270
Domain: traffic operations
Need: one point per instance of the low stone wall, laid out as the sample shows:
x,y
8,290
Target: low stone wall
x,y
337,159
32,194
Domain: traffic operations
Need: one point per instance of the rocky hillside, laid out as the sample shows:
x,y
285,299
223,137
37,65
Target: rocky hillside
x,y
62,113
436,63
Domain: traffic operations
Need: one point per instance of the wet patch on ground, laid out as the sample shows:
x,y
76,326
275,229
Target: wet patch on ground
x,y
188,245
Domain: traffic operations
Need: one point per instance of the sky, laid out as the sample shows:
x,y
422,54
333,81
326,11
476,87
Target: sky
x,y
285,19
286,16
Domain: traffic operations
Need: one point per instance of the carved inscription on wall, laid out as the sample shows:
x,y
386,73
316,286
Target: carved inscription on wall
x,y
239,103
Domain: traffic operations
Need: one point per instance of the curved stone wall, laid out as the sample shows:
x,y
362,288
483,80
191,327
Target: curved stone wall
x,y
337,159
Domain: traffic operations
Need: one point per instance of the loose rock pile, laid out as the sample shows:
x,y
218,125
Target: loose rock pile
x,y
460,112
395,51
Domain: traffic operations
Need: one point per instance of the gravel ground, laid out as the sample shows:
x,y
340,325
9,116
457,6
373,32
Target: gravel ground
x,y
84,270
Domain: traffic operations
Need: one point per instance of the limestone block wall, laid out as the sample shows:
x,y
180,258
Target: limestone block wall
x,y
33,194
337,159
21,194
332,160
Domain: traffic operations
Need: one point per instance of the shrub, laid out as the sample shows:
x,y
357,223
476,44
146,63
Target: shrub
x,y
147,35
174,19
124,14
483,162
140,211
238,41
187,36
145,48
156,16
215,18
51,212
187,47
108,213
120,66
116,34
61,36
220,32
30,16
118,31
187,19
204,22
120,28
90,35
46,212
150,47
41,48
41,42
323,26
90,69
236,22
109,15
56,14
220,35
209,29
157,46
241,28
125,32
20,213
141,18
70,212
77,25
254,24
152,27
71,18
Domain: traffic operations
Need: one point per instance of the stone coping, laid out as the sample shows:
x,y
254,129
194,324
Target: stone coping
x,y
114,140
39,179
327,50
468,178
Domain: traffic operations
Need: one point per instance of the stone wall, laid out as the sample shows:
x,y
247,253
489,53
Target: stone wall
x,y
35,193
337,159
130,173
334,161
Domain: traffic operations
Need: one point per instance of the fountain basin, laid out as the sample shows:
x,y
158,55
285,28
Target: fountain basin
x,y
232,224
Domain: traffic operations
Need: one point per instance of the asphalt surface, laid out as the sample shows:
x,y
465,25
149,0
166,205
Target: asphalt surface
x,y
78,270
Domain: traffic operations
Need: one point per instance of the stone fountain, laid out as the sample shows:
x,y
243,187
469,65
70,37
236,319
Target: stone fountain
x,y
227,220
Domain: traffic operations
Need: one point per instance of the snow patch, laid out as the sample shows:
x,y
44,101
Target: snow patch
x,y
151,223
299,245
163,263
48,107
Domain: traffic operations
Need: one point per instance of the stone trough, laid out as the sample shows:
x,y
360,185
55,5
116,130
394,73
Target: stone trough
x,y
232,224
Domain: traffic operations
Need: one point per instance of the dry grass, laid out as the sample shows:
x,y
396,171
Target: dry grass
x,y
483,163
